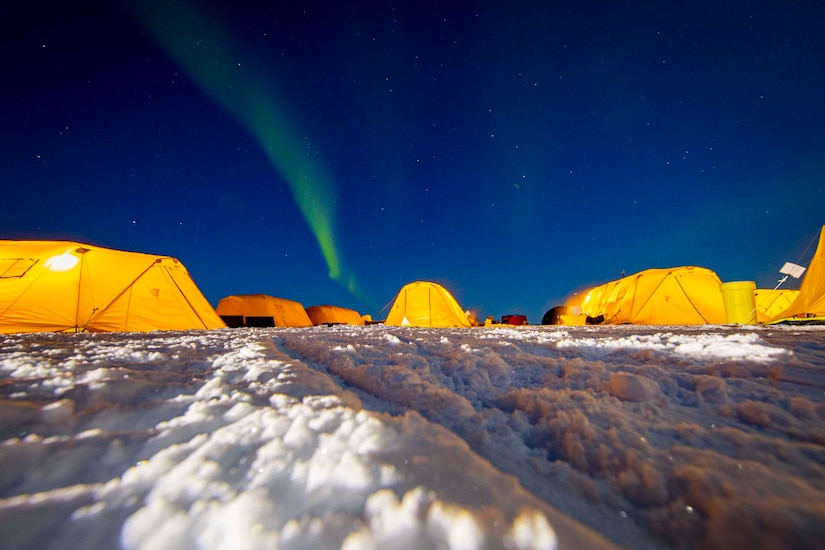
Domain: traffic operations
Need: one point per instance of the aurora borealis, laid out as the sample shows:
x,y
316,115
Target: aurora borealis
x,y
330,154
207,54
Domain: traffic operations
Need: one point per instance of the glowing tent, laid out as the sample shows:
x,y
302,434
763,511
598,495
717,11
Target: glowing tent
x,y
48,286
425,304
262,310
333,315
673,296
771,302
811,299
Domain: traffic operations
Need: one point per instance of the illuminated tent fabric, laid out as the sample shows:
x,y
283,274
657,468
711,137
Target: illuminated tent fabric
x,y
48,286
333,315
426,304
771,302
262,310
672,296
811,299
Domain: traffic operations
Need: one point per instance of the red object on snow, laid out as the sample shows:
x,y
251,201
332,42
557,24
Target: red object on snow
x,y
514,319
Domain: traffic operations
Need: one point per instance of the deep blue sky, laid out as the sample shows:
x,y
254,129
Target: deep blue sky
x,y
513,151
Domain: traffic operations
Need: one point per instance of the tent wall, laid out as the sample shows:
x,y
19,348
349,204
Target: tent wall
x,y
426,304
68,286
262,310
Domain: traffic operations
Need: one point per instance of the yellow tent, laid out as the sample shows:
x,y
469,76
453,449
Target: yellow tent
x,y
262,310
811,299
48,286
673,296
425,304
334,315
771,302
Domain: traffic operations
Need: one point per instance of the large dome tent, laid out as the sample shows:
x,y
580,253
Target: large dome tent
x,y
684,295
426,304
51,286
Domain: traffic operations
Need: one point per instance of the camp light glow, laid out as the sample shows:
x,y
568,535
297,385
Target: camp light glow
x,y
61,262
225,72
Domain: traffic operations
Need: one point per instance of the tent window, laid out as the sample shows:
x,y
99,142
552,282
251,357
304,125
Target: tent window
x,y
15,267
233,321
237,321
260,321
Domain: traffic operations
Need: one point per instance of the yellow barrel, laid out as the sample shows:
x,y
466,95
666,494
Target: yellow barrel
x,y
570,319
740,304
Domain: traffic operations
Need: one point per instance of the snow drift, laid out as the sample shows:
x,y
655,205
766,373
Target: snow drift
x,y
393,437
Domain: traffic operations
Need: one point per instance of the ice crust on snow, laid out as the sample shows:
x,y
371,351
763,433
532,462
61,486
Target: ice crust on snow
x,y
396,437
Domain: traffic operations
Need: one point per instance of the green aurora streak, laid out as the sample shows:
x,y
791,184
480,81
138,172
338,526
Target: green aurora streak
x,y
207,55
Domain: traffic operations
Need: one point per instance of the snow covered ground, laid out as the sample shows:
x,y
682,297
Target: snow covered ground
x,y
388,437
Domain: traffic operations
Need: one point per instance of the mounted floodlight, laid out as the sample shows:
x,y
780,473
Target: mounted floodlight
x,y
61,262
790,270
793,270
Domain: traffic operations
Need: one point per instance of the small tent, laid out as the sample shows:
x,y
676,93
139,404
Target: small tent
x,y
333,315
771,302
810,302
672,296
262,310
50,286
426,304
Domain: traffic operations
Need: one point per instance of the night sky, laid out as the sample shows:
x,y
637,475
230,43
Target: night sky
x,y
512,151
